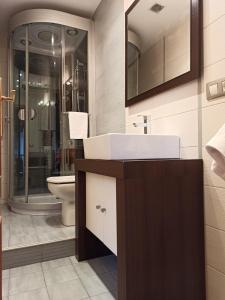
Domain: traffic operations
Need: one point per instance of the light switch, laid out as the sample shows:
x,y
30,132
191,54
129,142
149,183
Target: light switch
x,y
213,89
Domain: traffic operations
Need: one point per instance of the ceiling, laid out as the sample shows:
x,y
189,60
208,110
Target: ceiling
x,y
84,8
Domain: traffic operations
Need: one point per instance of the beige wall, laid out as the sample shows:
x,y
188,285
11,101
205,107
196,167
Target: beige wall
x,y
110,72
186,112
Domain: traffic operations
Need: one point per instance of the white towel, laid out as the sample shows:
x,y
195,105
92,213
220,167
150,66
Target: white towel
x,y
216,148
78,125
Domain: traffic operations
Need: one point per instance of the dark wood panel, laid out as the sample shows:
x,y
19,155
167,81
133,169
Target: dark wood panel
x,y
160,227
164,213
113,168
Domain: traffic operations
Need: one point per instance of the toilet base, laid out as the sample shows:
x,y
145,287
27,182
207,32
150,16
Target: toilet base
x,y
68,213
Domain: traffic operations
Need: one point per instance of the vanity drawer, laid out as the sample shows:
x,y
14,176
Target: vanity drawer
x,y
101,209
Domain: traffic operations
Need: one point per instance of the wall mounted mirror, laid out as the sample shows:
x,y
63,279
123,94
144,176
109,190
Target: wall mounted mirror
x,y
163,43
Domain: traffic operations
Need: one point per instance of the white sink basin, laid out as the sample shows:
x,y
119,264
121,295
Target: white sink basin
x,y
131,146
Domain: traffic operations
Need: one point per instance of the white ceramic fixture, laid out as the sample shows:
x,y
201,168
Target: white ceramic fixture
x,y
63,187
132,146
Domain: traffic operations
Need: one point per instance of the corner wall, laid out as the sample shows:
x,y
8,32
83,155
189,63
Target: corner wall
x,y
110,73
185,111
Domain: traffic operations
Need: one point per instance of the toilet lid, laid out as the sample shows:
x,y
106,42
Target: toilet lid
x,y
61,179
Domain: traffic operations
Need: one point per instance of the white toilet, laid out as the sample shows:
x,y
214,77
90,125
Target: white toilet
x,y
63,187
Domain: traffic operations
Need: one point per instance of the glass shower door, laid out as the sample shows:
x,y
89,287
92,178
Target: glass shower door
x,y
18,132
75,91
44,106
50,64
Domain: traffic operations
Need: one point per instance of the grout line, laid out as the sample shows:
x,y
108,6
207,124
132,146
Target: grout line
x,y
215,228
214,187
213,21
211,105
218,271
214,63
45,281
167,116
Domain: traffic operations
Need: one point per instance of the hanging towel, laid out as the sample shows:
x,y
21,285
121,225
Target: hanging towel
x,y
78,125
216,149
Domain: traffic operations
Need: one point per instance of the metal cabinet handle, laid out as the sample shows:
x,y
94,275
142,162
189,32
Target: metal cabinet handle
x,y
98,206
103,210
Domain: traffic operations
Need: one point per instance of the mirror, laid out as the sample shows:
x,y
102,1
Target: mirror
x,y
162,46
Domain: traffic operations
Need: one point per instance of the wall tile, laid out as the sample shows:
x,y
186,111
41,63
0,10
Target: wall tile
x,y
183,125
215,207
215,284
213,117
211,73
189,153
214,46
213,11
215,248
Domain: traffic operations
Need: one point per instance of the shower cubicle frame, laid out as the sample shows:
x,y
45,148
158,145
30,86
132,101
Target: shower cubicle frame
x,y
51,17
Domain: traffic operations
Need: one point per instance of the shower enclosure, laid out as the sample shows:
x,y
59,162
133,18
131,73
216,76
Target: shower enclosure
x,y
49,71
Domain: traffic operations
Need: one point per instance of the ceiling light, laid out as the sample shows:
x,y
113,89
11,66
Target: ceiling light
x,y
156,8
23,42
72,32
48,37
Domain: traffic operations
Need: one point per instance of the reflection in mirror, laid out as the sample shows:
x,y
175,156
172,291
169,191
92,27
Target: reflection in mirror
x,y
158,43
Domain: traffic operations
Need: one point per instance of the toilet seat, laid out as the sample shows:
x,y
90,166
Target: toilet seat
x,y
61,179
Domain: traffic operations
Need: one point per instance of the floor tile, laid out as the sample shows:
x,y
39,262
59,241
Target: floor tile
x,y
70,290
25,230
5,287
5,274
45,235
105,296
84,268
110,281
40,294
20,271
60,274
110,263
73,260
26,283
100,265
93,285
56,263
4,211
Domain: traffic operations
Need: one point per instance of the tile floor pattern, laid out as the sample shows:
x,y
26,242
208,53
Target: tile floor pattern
x,y
62,279
25,230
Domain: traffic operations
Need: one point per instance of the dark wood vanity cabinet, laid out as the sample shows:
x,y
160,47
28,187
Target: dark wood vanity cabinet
x,y
160,227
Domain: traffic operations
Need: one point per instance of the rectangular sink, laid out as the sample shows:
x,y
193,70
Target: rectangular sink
x,y
131,146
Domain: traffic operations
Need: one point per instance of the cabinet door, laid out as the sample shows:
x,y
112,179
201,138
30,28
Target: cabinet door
x,y
101,208
94,217
109,220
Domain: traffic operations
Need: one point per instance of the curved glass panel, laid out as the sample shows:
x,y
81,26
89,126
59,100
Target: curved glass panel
x,y
50,75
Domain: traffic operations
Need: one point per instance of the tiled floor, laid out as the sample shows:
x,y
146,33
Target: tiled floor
x,y
62,279
24,230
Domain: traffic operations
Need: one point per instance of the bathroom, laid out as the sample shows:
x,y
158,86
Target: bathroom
x,y
46,47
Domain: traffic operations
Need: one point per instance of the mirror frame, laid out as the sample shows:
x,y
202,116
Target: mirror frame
x,y
196,39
